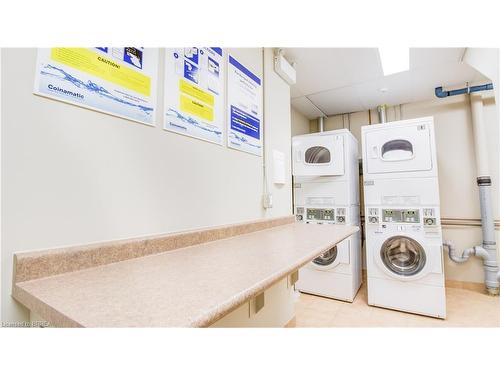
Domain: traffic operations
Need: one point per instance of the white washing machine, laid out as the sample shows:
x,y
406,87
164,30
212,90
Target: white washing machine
x,y
402,218
405,260
326,192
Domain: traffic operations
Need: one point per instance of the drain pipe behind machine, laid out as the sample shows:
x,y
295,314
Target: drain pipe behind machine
x,y
487,250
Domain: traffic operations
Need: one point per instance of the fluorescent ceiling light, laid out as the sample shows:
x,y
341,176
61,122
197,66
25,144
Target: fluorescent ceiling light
x,y
394,60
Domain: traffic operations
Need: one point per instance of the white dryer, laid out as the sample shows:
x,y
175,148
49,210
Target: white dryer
x,y
400,163
402,219
326,191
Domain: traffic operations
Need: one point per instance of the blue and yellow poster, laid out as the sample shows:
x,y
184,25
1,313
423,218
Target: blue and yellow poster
x,y
194,92
120,81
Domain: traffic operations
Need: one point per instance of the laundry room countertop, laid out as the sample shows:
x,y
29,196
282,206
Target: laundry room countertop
x,y
191,286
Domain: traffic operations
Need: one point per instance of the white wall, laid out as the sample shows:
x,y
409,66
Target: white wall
x,y
457,171
72,175
278,135
300,123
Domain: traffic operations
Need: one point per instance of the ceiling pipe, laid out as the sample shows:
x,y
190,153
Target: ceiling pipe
x,y
382,117
321,125
440,93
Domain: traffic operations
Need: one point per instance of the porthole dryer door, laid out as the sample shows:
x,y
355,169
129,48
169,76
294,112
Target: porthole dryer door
x,y
399,149
318,155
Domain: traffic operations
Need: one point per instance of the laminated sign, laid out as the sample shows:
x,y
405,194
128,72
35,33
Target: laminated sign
x,y
118,81
194,92
244,96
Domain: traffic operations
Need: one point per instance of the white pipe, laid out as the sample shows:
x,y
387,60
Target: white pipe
x,y
267,195
452,253
478,251
488,248
480,140
487,251
481,252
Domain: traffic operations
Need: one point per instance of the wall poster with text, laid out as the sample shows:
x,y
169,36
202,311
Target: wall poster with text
x,y
244,97
194,92
120,81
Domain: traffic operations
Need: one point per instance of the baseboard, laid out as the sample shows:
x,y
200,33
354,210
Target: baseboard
x,y
468,285
292,323
456,284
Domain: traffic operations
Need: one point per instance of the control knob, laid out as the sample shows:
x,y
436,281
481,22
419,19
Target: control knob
x,y
429,221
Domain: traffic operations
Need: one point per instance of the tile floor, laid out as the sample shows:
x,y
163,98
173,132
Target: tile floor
x,y
465,308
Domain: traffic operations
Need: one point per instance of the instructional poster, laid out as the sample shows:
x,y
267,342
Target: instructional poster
x,y
244,96
194,92
117,81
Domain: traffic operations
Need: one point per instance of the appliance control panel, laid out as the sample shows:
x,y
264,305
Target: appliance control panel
x,y
320,214
329,215
425,216
390,215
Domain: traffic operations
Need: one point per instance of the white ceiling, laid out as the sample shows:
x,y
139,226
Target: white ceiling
x,y
341,80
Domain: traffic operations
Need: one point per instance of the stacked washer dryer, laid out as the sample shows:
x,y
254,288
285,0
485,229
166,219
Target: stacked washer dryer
x,y
403,231
326,191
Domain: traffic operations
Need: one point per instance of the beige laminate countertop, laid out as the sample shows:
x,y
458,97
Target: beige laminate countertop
x,y
189,287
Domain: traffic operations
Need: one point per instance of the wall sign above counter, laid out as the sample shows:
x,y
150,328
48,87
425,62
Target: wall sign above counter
x,y
194,92
244,91
117,81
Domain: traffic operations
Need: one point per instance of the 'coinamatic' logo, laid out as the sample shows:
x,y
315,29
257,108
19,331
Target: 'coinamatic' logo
x,y
65,92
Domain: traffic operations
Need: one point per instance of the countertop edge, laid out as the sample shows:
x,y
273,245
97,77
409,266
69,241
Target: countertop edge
x,y
47,312
241,298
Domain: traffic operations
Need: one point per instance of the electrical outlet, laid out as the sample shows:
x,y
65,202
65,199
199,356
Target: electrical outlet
x,y
267,200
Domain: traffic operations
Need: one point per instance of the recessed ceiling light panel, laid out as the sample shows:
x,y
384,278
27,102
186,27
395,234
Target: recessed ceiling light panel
x,y
394,59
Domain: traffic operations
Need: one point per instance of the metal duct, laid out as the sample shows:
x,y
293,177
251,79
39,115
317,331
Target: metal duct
x,y
321,125
382,118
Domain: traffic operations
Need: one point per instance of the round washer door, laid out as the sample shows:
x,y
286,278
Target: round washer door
x,y
327,260
403,257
